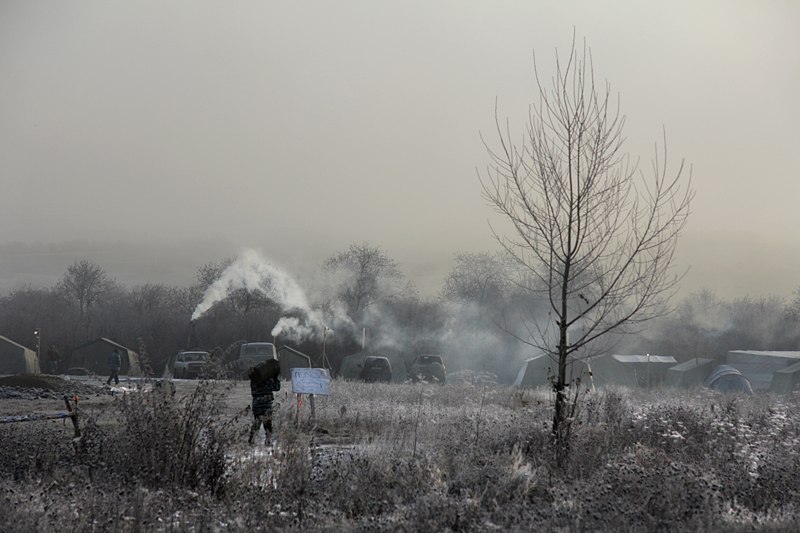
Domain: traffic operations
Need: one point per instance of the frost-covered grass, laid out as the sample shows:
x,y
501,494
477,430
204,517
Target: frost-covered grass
x,y
413,458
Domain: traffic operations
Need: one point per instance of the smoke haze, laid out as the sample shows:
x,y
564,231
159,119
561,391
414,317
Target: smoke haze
x,y
299,129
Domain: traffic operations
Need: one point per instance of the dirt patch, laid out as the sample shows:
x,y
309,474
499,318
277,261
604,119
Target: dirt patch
x,y
32,386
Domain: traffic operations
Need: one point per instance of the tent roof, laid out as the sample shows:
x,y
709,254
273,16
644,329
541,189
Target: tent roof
x,y
292,350
791,369
108,341
9,341
536,358
779,354
691,363
645,359
720,371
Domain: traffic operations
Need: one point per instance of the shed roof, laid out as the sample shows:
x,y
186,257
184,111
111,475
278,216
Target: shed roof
x,y
9,341
720,371
103,339
760,353
791,369
645,359
691,364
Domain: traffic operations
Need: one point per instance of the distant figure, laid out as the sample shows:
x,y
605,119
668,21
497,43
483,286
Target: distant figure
x,y
114,362
53,359
263,382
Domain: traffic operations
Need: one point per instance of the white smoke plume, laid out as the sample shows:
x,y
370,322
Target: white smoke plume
x,y
291,328
251,271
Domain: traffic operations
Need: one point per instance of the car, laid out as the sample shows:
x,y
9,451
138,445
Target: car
x,y
252,354
428,367
190,364
376,368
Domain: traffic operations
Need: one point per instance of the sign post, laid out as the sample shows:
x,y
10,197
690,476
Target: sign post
x,y
310,381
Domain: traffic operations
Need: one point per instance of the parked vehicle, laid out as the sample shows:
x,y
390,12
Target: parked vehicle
x,y
428,368
376,368
190,365
253,354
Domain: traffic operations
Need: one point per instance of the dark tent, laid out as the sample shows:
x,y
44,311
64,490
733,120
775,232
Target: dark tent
x,y
93,356
725,378
691,373
786,380
630,370
291,358
535,371
17,359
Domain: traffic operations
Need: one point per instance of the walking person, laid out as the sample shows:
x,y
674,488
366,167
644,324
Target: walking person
x,y
264,380
114,363
53,359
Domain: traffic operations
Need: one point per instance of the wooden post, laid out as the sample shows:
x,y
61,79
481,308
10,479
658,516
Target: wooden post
x,y
74,415
313,411
297,412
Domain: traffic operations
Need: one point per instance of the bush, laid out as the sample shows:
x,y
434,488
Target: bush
x,y
160,438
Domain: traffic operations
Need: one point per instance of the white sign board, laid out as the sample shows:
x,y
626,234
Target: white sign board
x,y
311,381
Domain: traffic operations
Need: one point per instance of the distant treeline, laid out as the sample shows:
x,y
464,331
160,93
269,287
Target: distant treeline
x,y
480,320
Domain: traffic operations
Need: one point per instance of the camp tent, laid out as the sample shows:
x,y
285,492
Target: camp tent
x,y
759,366
786,379
630,370
93,356
691,373
535,371
17,359
291,358
725,378
350,367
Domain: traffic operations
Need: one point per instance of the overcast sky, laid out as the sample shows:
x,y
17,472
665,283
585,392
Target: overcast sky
x,y
152,137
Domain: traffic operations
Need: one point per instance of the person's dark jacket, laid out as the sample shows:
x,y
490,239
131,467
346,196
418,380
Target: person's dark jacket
x,y
115,360
262,395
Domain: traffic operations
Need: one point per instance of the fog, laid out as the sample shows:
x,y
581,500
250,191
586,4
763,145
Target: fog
x,y
153,137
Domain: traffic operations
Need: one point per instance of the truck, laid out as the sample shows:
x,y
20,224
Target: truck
x,y
189,364
252,354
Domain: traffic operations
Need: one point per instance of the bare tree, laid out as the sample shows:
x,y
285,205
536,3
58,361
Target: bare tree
x,y
367,275
479,286
477,277
589,226
83,284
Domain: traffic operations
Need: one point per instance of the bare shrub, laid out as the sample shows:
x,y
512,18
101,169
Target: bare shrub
x,y
161,438
34,449
734,466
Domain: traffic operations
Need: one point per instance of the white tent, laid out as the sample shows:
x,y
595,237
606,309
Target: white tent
x,y
535,371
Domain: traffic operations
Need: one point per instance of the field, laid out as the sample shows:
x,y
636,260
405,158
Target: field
x,y
466,456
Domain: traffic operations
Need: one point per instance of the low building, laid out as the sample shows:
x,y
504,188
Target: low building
x,y
630,370
290,358
786,380
17,359
536,371
93,356
759,366
691,373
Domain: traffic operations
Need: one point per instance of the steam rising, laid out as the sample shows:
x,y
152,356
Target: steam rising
x,y
252,272
294,330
